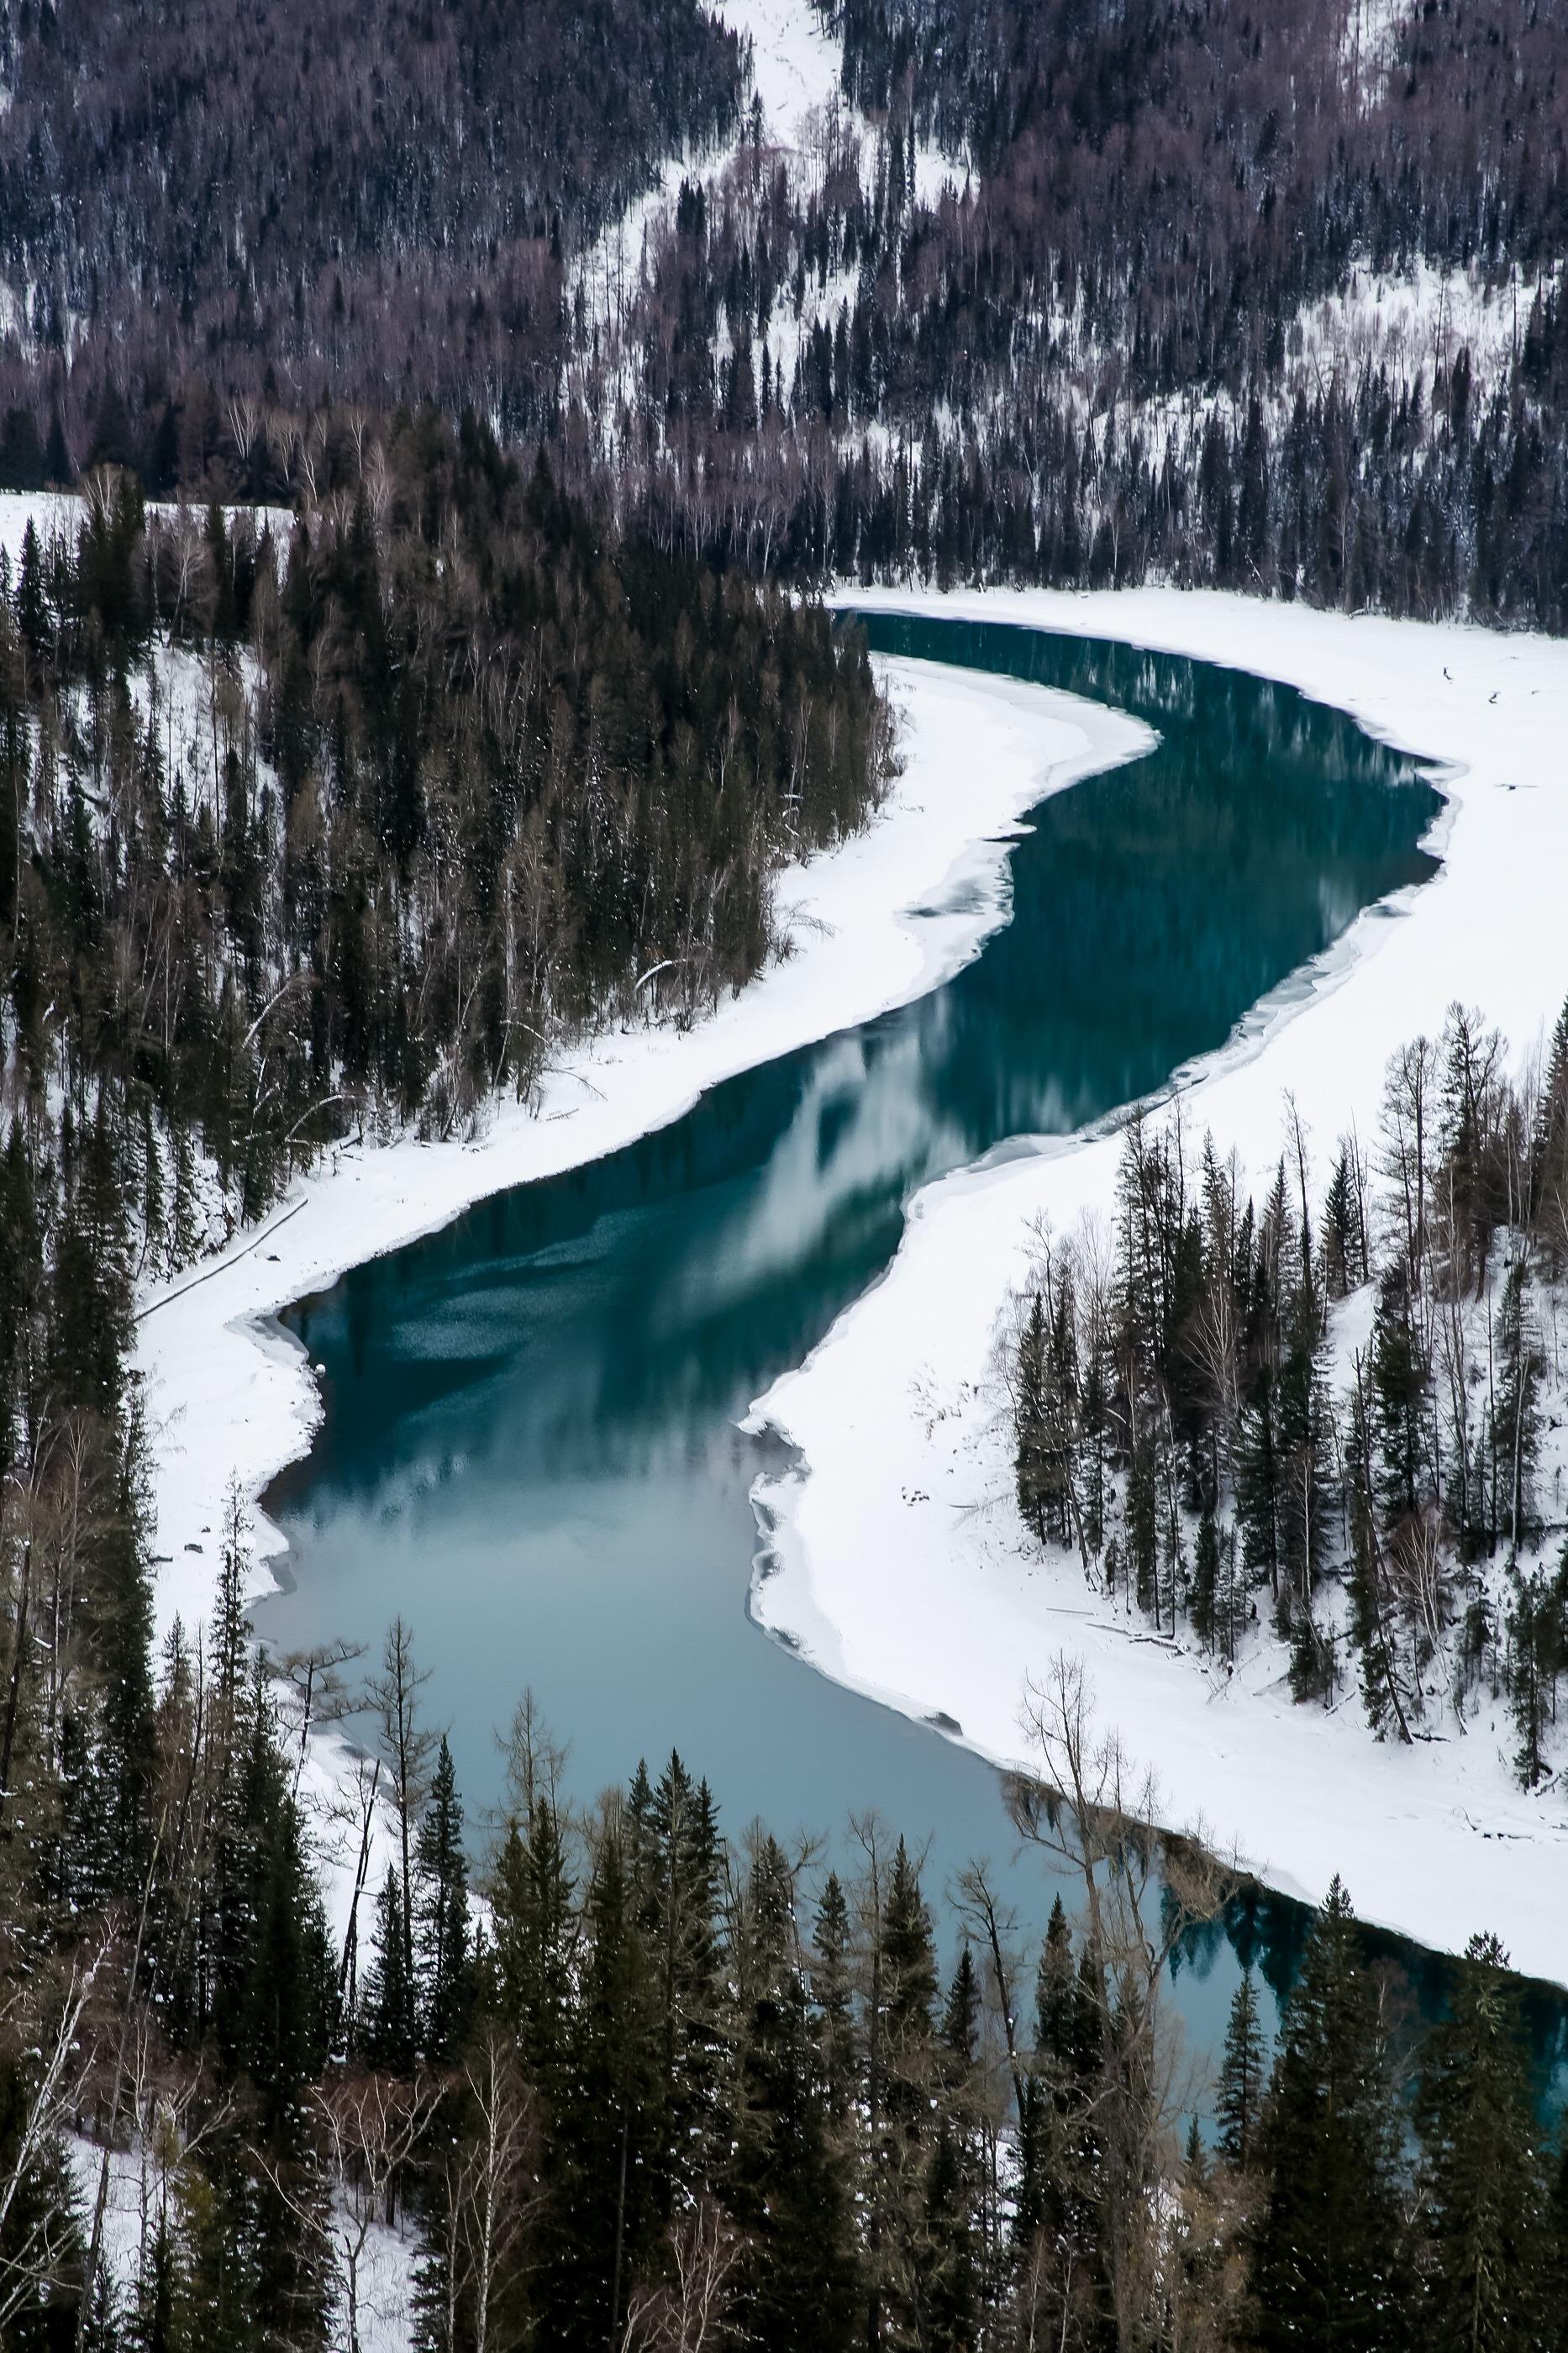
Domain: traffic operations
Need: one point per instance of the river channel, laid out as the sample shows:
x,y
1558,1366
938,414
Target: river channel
x,y
531,1445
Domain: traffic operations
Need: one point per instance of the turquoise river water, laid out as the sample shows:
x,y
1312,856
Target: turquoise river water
x,y
530,1446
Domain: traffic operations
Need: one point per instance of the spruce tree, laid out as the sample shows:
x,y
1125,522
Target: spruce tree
x,y
1484,2210
91,1318
1029,1419
387,2030
1329,2266
1399,1379
280,1998
953,2283
908,1964
155,2324
119,1613
534,1935
1342,1271
786,2183
1202,1607
1516,1416
607,2206
1241,2079
832,1998
679,1874
444,1942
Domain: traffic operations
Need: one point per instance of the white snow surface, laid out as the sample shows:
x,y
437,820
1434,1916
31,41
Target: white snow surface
x,y
896,1559
795,63
387,2262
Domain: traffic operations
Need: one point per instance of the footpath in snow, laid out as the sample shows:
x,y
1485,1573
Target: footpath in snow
x,y
871,924
897,1562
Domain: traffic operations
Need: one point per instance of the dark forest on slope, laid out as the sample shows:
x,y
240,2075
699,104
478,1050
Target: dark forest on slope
x,y
332,198
1087,355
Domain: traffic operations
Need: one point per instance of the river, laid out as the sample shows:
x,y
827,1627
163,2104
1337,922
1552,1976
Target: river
x,y
530,1446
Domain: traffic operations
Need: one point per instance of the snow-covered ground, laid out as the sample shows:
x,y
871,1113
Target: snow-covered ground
x,y
139,2186
897,1557
795,63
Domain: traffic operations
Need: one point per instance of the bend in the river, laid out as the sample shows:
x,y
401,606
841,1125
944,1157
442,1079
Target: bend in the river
x,y
531,1445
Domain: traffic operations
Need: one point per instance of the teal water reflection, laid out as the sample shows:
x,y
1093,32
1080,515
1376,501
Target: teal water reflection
x,y
530,1446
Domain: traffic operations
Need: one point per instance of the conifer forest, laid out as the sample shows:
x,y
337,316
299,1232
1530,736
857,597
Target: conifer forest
x,y
1197,1417
437,442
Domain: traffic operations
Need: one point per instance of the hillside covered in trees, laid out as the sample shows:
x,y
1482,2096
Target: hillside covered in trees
x,y
365,201
354,816
1262,296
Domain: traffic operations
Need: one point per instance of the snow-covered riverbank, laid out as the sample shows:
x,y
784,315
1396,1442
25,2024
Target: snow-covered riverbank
x,y
898,1563
873,923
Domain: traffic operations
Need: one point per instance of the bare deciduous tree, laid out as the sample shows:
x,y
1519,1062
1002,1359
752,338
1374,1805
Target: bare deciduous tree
x,y
1142,1888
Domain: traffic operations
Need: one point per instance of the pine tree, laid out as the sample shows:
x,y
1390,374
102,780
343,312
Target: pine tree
x,y
1202,1608
1241,2079
679,1869
786,2188
951,2285
1533,1658
1029,1419
91,1319
1484,2191
258,2272
1549,1151
444,1942
1373,1628
1399,1378
532,1928
607,2205
1257,1483
833,1999
388,2021
406,1747
1341,1253
909,1965
155,2325
1330,2269
1516,1419
119,1613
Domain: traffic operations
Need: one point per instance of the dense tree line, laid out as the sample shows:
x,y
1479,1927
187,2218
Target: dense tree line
x,y
1326,1409
1091,361
659,2090
370,201
358,816
1191,174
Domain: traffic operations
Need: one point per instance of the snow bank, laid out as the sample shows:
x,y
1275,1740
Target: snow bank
x,y
897,1563
871,924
